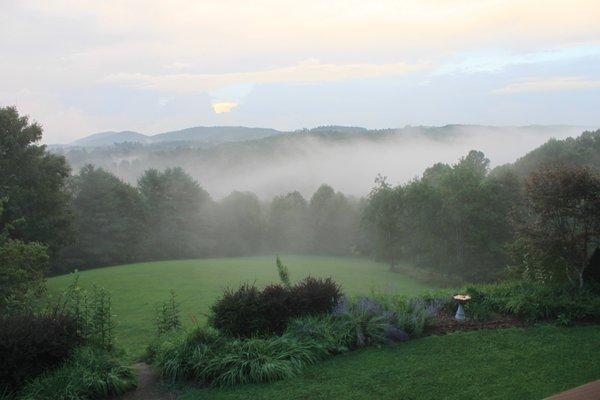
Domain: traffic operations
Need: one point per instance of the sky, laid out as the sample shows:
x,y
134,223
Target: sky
x,y
79,67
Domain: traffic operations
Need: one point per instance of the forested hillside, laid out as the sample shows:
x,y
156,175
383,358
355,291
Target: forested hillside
x,y
344,157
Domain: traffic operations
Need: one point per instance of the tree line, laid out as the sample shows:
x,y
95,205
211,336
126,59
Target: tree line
x,y
168,215
467,221
540,215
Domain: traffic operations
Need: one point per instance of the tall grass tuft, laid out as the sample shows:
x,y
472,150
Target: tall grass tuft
x,y
90,373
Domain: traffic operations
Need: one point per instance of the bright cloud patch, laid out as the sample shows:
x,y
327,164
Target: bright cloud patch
x,y
220,108
309,71
560,83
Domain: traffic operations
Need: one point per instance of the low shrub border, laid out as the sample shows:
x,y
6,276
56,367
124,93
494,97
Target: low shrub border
x,y
212,358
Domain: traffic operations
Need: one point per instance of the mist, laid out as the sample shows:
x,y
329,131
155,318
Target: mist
x,y
303,161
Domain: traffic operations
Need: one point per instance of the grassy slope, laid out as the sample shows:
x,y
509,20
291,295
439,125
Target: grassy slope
x,y
136,288
503,364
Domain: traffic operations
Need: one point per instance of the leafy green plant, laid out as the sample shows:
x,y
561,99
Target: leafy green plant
x,y
31,344
91,309
563,320
101,323
167,315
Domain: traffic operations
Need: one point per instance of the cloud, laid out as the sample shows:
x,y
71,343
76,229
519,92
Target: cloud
x,y
220,108
177,65
564,83
496,61
309,71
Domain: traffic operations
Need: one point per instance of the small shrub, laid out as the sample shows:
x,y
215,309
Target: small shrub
x,y
31,344
478,307
248,311
167,315
89,374
277,305
313,296
239,313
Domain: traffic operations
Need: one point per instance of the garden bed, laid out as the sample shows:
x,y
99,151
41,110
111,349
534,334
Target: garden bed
x,y
445,323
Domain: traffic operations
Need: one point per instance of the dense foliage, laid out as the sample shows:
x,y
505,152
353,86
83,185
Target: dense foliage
x,y
109,220
41,347
33,186
559,226
22,268
534,302
216,359
453,220
248,311
31,344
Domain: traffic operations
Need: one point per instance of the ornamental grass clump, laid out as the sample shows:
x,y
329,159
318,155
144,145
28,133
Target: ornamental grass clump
x,y
365,323
91,373
211,359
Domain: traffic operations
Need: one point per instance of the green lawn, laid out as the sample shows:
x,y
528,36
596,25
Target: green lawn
x,y
136,288
503,364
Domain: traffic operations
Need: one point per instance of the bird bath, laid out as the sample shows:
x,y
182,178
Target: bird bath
x,y
461,299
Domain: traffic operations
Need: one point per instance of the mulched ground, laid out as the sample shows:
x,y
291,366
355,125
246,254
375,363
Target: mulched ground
x,y
447,324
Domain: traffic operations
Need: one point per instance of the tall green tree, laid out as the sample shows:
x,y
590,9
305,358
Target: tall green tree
x,y
335,222
383,217
177,215
241,225
453,220
289,223
110,220
560,226
34,183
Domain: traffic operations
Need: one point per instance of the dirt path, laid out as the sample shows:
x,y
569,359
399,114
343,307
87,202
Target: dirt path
x,y
149,387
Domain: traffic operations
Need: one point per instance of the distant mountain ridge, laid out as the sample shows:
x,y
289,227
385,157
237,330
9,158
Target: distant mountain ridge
x,y
201,134
348,158
111,137
213,135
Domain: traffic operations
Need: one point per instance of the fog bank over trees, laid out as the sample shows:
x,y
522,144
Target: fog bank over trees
x,y
346,158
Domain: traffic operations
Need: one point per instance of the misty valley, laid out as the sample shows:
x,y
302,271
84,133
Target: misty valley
x,y
300,200
319,252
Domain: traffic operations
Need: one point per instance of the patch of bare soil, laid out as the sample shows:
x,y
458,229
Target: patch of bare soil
x,y
149,385
447,324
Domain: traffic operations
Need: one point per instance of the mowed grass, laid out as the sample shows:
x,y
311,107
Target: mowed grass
x,y
137,288
520,364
